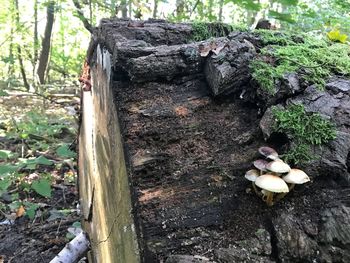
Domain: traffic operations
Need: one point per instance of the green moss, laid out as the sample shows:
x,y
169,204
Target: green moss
x,y
315,59
202,31
304,129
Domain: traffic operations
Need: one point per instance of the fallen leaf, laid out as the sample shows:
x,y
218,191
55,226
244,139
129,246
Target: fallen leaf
x,y
181,111
20,211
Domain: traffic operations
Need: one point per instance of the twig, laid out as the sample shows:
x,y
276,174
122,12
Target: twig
x,y
194,8
58,228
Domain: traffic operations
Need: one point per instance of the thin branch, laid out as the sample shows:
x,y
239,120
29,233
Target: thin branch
x,y
83,19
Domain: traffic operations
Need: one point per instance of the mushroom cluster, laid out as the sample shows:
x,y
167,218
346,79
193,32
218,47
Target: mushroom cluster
x,y
273,179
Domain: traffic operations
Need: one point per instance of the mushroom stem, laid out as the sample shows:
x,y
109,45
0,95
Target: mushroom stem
x,y
291,187
256,190
282,195
268,198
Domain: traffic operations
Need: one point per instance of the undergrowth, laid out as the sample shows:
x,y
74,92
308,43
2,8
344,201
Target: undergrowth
x,y
314,59
305,129
35,153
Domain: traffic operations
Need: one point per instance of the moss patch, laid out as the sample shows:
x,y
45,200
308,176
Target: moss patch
x,y
202,31
315,60
304,129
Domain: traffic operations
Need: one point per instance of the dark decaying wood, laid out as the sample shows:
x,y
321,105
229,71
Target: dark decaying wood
x,y
164,146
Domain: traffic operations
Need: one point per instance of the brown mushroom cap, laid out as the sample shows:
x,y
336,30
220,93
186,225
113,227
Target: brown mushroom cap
x,y
252,174
260,164
296,176
272,183
278,166
268,152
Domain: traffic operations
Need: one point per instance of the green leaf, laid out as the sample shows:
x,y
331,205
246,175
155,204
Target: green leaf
x,y
65,152
335,36
32,163
4,154
281,16
8,168
287,2
30,209
3,93
42,187
4,184
44,161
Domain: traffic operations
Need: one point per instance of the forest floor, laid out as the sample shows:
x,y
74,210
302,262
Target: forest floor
x,y
39,210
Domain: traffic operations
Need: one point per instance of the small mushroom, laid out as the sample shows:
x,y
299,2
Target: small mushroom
x,y
278,166
271,184
268,152
296,176
251,175
260,164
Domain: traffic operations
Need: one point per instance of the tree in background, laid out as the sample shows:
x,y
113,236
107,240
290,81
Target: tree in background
x,y
46,43
45,40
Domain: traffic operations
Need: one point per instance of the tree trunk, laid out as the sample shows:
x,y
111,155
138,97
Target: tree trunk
x,y
221,5
180,9
19,51
46,43
112,8
124,4
155,9
35,37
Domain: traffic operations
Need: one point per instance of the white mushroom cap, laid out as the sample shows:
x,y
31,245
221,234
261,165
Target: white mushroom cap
x,y
272,183
260,164
268,152
251,175
296,176
278,166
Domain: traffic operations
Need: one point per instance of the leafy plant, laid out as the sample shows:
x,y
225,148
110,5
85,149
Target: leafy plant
x,y
65,152
305,129
42,187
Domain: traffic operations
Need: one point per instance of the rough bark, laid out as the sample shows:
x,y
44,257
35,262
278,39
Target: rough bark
x,y
46,43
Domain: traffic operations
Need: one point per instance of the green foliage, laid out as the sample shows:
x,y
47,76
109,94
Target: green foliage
x,y
317,59
202,31
65,152
304,129
42,187
31,209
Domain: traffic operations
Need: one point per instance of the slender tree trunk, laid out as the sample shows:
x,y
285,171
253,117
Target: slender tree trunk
x,y
19,51
124,4
11,56
90,12
35,37
112,7
210,10
155,9
221,5
180,9
130,8
46,43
